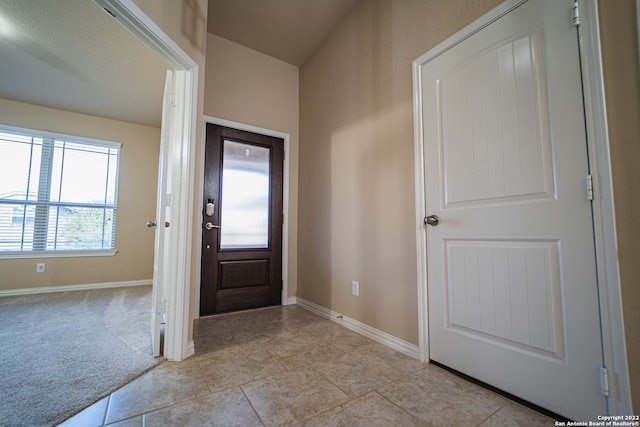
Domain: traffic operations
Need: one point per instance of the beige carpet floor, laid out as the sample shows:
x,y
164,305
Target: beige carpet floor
x,y
61,352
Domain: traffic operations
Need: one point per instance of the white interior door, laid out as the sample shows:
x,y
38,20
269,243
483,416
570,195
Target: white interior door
x,y
512,291
162,222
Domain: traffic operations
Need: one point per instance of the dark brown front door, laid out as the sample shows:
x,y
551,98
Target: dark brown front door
x,y
242,221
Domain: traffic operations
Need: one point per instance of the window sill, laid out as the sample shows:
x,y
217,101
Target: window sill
x,y
58,254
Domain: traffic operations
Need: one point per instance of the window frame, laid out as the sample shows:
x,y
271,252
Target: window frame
x,y
74,139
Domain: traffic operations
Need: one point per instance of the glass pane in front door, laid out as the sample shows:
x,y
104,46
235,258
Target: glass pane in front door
x,y
245,196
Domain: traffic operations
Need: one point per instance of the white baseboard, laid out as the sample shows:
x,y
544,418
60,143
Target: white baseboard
x,y
66,288
290,301
384,338
191,350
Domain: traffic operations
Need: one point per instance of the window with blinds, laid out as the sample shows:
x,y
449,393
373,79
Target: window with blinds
x,y
57,193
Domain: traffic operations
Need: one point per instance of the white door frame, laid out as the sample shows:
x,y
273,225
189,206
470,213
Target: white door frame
x,y
615,354
285,203
182,143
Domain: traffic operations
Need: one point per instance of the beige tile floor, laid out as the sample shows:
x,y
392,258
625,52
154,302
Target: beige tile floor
x,y
285,366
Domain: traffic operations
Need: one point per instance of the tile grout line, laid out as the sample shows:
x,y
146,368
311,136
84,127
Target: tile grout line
x,y
172,404
106,411
333,408
251,404
397,406
492,414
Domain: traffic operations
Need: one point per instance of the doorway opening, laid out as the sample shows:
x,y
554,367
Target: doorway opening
x,y
175,260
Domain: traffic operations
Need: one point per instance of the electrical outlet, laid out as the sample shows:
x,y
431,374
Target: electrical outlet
x,y
355,288
40,267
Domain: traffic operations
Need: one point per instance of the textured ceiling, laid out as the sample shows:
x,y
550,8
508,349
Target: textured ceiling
x,y
71,55
290,30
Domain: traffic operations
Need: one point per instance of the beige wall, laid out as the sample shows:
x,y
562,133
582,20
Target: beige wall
x,y
357,195
136,201
622,85
248,87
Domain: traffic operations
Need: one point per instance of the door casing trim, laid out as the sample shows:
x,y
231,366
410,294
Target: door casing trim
x,y
609,285
285,300
614,345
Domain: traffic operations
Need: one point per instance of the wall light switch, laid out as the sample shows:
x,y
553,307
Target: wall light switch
x,y
40,267
355,288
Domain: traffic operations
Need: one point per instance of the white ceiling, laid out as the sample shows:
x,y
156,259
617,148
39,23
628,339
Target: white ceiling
x,y
71,55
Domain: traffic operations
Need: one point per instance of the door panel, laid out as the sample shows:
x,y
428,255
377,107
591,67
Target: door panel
x,y
495,139
163,217
242,235
240,274
507,294
511,273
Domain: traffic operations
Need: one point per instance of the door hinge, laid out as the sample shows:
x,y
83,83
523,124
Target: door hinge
x,y
576,14
590,187
604,382
173,101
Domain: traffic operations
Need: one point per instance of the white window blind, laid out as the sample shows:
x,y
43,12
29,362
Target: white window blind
x,y
57,193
